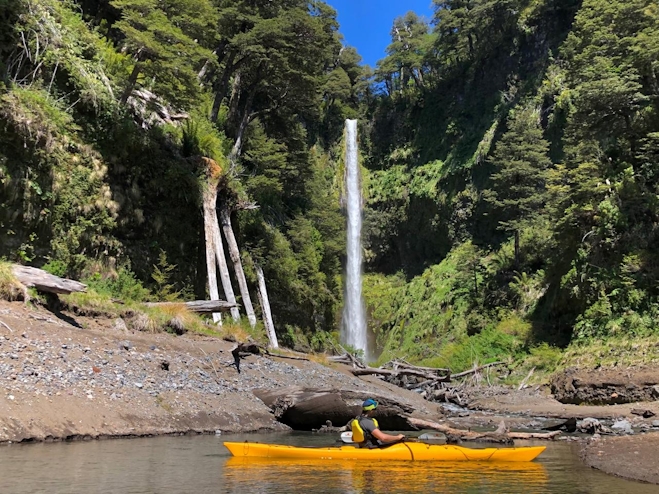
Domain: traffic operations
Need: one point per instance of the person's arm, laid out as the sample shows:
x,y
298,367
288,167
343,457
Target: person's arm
x,y
387,438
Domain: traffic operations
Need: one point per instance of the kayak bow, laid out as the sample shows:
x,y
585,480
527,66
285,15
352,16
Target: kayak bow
x,y
399,451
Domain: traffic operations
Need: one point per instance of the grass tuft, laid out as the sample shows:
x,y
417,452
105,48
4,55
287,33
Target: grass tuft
x,y
92,304
10,288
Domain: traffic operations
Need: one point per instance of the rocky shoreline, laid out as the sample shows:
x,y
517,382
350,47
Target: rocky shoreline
x,y
84,378
97,379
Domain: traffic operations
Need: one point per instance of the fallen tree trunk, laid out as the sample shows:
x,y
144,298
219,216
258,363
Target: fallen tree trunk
x,y
534,435
501,435
46,282
400,372
401,364
200,306
342,359
475,369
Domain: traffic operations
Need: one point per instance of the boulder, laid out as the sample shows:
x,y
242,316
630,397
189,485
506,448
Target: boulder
x,y
308,409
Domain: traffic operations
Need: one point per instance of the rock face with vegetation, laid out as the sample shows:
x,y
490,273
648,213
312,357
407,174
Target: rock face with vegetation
x,y
510,154
512,188
107,110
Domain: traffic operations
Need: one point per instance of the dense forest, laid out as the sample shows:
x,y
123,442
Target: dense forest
x,y
510,155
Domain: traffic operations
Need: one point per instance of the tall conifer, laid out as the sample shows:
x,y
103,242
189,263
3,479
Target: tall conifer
x,y
521,162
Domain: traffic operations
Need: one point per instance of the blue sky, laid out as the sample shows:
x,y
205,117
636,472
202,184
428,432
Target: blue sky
x,y
365,24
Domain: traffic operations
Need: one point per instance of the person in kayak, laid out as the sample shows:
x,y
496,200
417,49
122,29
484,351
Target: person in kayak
x,y
366,431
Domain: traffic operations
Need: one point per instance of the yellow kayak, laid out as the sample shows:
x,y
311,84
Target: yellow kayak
x,y
400,451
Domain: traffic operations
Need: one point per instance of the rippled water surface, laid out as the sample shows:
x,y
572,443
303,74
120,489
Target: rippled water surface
x,y
201,464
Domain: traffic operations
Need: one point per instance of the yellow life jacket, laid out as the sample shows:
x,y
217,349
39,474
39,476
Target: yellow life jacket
x,y
358,434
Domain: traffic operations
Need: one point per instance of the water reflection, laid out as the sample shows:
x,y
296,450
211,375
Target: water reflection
x,y
202,465
268,475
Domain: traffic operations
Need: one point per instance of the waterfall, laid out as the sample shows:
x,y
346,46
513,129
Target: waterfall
x,y
353,328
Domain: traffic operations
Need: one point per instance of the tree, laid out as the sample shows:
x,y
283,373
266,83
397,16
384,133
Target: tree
x,y
274,58
406,55
608,212
472,29
521,164
161,36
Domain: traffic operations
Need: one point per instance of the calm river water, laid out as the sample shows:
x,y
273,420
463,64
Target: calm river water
x,y
201,464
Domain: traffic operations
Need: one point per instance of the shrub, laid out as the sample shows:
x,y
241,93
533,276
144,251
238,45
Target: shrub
x,y
122,285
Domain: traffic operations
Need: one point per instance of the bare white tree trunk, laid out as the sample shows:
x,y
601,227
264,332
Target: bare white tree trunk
x,y
225,218
222,263
209,213
265,307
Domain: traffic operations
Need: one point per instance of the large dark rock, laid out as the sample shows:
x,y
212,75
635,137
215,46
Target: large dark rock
x,y
307,409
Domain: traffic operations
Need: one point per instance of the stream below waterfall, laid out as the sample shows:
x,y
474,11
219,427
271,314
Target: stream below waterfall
x,y
201,464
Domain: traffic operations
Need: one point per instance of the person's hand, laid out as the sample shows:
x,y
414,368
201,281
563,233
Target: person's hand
x,y
401,437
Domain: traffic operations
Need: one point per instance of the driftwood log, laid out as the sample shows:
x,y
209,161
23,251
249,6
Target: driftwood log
x,y
200,306
46,282
396,368
243,350
348,359
402,364
501,435
475,370
399,372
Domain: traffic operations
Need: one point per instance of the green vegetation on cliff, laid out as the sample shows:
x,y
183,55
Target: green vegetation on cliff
x,y
105,108
514,185
510,149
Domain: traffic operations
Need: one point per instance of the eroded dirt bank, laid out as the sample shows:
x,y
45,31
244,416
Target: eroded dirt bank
x,y
93,378
539,402
606,386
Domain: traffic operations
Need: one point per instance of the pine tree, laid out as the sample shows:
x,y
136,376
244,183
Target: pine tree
x,y
519,183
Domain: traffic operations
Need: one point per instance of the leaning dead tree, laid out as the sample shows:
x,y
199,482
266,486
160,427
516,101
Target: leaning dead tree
x,y
224,268
265,308
214,248
234,252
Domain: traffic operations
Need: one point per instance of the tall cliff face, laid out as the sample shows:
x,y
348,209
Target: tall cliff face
x,y
513,169
103,123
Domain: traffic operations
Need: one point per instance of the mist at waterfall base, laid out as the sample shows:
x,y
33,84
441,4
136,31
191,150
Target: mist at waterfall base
x,y
353,325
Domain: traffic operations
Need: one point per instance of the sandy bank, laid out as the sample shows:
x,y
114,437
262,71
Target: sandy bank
x,y
630,457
